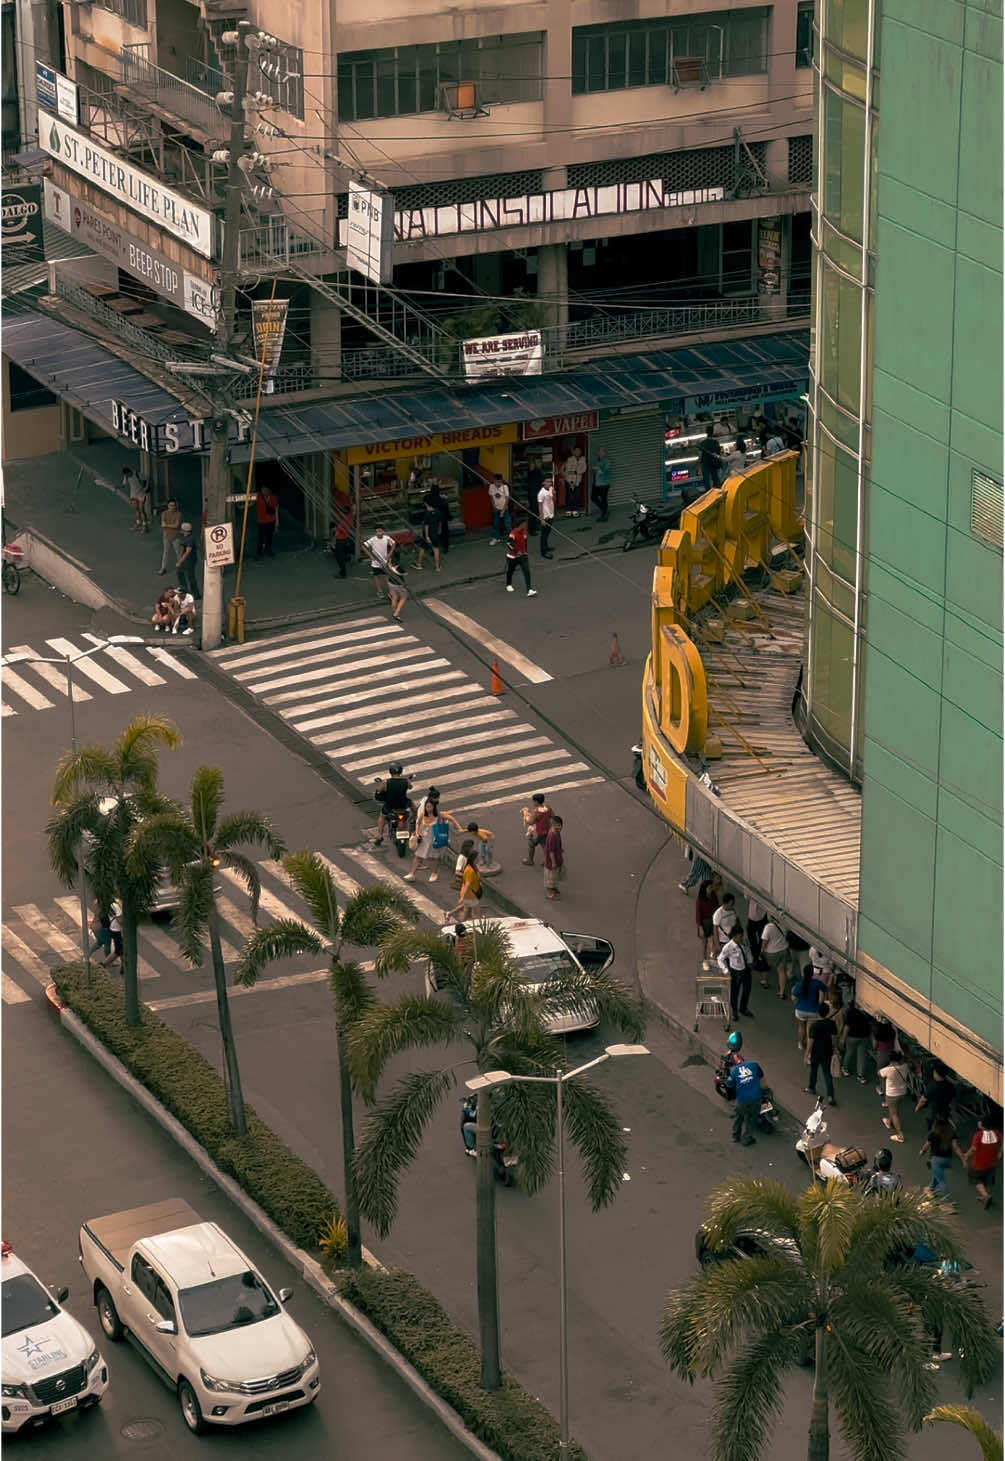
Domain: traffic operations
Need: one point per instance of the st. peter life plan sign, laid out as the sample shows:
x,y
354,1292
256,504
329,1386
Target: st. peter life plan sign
x,y
162,206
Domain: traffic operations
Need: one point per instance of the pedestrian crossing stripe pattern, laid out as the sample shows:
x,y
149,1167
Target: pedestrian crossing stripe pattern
x,y
365,691
112,669
35,938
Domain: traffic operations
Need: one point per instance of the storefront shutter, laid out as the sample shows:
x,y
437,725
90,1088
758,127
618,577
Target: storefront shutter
x,y
635,446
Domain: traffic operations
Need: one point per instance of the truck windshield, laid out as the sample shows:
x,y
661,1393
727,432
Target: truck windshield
x,y
24,1301
226,1303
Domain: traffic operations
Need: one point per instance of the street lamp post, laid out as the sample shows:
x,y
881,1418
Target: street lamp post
x,y
558,1080
68,661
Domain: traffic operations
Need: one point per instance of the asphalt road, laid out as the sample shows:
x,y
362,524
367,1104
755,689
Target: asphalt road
x,y
621,1261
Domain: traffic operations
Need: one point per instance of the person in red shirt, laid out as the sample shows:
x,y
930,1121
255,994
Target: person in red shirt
x,y
982,1158
704,906
537,822
554,858
516,557
267,518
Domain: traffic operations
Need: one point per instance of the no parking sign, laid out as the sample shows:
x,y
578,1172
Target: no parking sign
x,y
219,545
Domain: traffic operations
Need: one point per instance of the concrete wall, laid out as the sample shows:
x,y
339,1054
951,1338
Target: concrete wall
x,y
931,899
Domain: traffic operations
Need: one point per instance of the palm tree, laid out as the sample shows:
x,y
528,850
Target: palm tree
x,y
87,780
838,1266
990,1441
503,1023
366,918
192,843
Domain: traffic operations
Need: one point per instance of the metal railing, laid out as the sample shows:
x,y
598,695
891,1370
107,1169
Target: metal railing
x,y
173,94
274,240
143,341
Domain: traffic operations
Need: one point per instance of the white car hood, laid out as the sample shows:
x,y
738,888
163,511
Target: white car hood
x,y
44,1349
252,1351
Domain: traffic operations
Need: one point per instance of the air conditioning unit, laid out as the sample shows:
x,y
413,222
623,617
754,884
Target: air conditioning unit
x,y
460,99
690,71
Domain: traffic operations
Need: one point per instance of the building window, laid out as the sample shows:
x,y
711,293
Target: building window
x,y
281,76
804,33
403,80
844,164
25,392
737,258
986,507
133,11
650,52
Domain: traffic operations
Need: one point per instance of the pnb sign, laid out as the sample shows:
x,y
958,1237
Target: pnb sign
x,y
370,233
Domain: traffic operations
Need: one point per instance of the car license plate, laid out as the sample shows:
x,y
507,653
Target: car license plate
x,y
276,1408
62,1405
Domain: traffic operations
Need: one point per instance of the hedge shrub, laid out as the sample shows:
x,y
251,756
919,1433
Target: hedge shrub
x,y
510,1420
293,1195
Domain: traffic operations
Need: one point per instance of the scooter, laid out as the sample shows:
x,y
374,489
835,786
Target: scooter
x,y
824,1157
637,771
767,1117
503,1161
401,829
649,522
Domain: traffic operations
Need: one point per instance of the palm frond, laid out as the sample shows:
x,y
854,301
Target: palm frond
x,y
92,766
616,1004
247,870
594,1128
64,830
749,1202
873,1317
281,940
313,881
407,1023
990,1441
830,1210
749,1395
166,839
136,748
869,1420
390,1139
352,995
525,1116
681,1322
242,828
957,1310
206,799
191,916
402,947
373,913
106,870
736,1297
883,1227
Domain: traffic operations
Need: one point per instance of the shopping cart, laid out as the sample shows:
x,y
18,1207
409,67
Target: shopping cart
x,y
711,993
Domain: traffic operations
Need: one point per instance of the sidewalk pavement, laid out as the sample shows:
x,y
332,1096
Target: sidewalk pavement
x,y
72,498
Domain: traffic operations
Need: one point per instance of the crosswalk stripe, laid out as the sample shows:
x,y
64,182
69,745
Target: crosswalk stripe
x,y
498,647
57,940
261,986
412,746
470,742
412,718
12,681
48,673
402,688
388,667
521,796
457,777
12,993
235,654
525,779
129,662
163,943
70,908
165,657
331,674
377,870
342,881
374,650
273,905
26,957
234,916
389,630
6,709
86,666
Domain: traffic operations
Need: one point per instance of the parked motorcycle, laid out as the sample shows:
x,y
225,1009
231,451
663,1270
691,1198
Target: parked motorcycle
x,y
503,1161
649,522
637,768
824,1157
767,1116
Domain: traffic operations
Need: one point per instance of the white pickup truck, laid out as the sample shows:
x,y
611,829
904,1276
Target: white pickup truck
x,y
199,1312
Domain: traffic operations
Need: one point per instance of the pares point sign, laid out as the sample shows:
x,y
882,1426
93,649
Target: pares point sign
x,y
219,545
22,222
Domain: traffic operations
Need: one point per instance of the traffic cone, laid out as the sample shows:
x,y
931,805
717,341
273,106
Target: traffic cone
x,y
497,685
615,658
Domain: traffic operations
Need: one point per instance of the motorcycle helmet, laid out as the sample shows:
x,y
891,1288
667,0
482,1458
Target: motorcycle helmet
x,y
883,1160
395,768
735,1041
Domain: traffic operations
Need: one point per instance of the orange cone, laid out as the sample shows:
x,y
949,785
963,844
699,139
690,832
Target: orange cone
x,y
615,657
497,685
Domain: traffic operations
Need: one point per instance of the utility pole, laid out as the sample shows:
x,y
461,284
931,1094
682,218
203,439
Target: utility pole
x,y
218,476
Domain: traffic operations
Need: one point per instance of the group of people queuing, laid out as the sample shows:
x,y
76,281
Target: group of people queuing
x,y
772,437
834,1035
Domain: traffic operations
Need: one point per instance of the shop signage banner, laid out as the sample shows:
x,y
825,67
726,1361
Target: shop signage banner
x,y
547,426
191,434
77,218
369,233
138,190
769,256
521,353
268,317
767,391
22,222
426,446
565,204
56,92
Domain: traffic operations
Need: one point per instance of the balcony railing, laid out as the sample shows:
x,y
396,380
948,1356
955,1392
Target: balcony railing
x,y
173,94
276,239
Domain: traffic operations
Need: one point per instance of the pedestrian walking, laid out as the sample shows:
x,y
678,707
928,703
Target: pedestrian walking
x,y
170,534
101,926
499,497
546,512
981,1158
745,1078
484,837
188,562
857,1042
341,543
439,506
603,477
115,930
894,1078
421,841
536,822
535,480
756,919
939,1147
940,1093
266,520
516,557
136,490
573,472
734,960
776,956
807,996
724,920
822,1035
429,534
709,458
379,547
471,891
396,586
700,872
704,916
554,859
884,1037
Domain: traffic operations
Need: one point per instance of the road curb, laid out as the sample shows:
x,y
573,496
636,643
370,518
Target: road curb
x,y
312,1272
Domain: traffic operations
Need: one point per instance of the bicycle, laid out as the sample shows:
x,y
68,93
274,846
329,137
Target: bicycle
x,y
11,570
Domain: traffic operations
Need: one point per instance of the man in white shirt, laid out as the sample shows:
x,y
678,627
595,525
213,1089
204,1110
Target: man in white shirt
x,y
379,548
735,962
546,512
185,609
574,471
499,497
775,953
774,443
724,919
